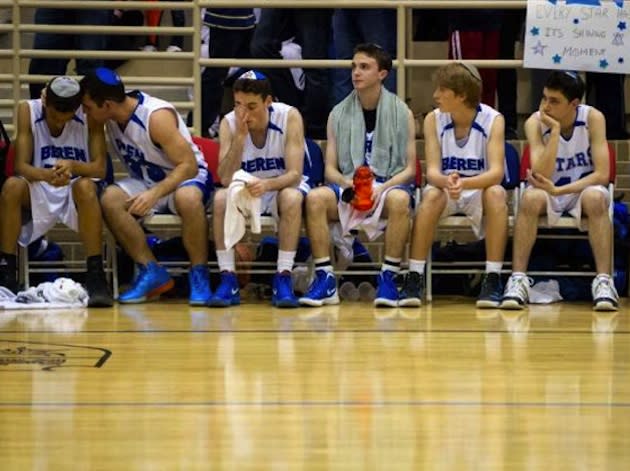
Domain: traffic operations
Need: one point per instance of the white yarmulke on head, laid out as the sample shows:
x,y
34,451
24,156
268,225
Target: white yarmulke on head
x,y
64,87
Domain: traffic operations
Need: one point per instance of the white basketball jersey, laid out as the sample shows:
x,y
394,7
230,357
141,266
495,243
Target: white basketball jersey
x,y
574,154
133,145
71,144
470,157
267,161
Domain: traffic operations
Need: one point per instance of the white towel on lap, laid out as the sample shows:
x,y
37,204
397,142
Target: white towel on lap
x,y
240,207
369,221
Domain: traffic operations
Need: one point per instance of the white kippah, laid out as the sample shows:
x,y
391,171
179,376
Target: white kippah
x,y
64,87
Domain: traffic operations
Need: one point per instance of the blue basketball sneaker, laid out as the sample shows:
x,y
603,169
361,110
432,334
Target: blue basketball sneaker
x,y
282,291
322,291
228,293
386,291
199,281
152,280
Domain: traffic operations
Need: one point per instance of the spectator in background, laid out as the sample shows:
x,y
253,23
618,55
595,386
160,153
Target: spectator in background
x,y
353,26
154,18
474,34
230,31
509,33
311,28
66,42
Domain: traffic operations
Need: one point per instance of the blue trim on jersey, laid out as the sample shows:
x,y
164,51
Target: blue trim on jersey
x,y
478,127
271,125
42,116
138,121
579,123
446,128
78,120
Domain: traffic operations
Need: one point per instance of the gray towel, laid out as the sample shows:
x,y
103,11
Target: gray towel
x,y
389,145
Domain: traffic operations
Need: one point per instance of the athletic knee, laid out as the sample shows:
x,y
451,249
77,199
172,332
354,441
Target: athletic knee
x,y
113,198
12,190
397,203
84,189
319,200
290,199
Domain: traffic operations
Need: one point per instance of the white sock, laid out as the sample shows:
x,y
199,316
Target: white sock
x,y
417,265
391,264
225,258
494,267
285,260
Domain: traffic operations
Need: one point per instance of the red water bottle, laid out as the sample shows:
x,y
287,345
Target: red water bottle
x,y
362,184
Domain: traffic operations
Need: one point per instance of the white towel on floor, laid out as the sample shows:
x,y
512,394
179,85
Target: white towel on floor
x,y
61,293
545,292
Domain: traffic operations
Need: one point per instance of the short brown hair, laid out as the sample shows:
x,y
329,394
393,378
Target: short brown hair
x,y
463,79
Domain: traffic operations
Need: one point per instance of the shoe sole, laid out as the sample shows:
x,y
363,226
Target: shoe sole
x,y
410,302
285,304
221,303
605,306
318,302
192,302
512,305
100,302
487,304
151,295
384,302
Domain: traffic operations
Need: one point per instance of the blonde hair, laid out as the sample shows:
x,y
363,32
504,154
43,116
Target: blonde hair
x,y
463,79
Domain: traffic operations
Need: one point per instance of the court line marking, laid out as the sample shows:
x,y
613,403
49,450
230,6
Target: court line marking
x,y
296,331
319,404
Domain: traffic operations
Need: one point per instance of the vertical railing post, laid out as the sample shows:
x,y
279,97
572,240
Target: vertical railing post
x,y
196,47
401,52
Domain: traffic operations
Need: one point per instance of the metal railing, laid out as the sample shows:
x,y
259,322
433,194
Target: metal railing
x,y
18,29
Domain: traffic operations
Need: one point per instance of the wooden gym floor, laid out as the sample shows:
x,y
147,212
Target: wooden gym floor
x,y
444,387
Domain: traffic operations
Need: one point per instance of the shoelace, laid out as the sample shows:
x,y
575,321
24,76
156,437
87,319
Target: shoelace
x,y
603,289
518,286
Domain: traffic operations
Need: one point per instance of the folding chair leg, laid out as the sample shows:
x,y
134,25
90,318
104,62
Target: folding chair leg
x,y
23,274
428,280
112,261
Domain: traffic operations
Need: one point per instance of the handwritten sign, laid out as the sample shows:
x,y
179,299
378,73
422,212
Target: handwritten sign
x,y
590,35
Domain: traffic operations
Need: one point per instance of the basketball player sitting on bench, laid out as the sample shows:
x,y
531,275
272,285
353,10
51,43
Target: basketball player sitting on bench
x,y
265,139
167,173
60,161
569,168
465,151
